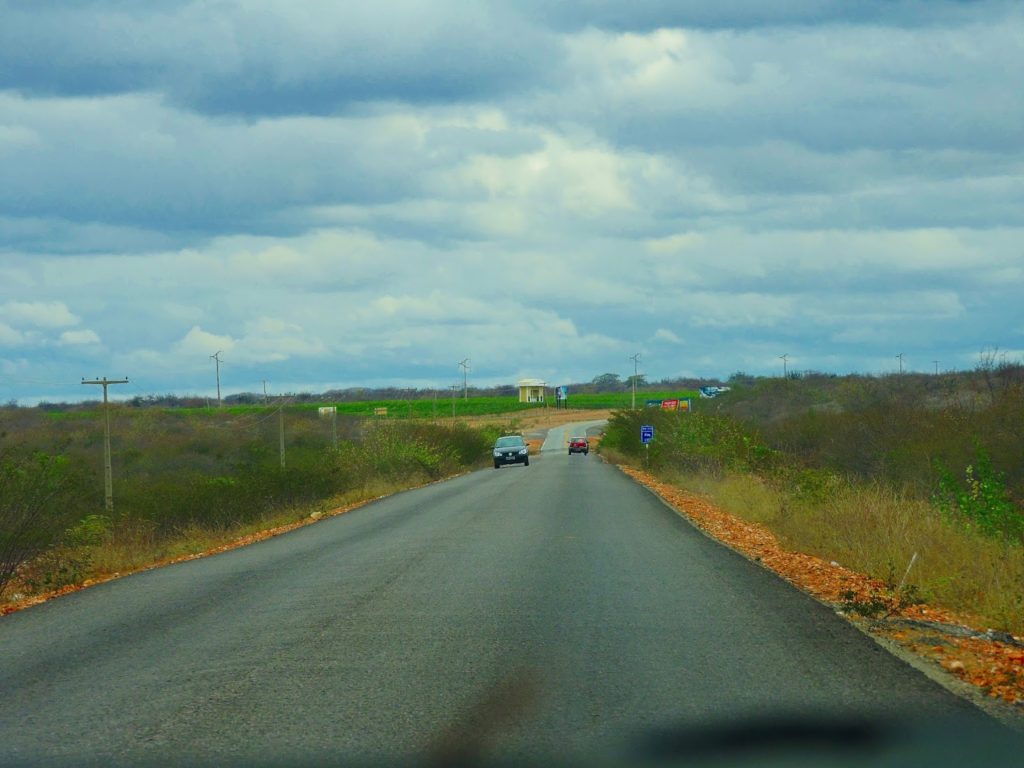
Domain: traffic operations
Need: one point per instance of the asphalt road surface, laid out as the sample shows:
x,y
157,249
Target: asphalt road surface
x,y
557,608
557,438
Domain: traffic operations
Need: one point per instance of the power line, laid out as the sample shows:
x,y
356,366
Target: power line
x,y
254,419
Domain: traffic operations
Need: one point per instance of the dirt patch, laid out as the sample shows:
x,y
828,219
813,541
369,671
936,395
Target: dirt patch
x,y
540,418
993,662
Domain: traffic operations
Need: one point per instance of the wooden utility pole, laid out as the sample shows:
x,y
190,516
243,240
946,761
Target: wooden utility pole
x,y
108,479
900,358
280,412
785,366
216,357
636,359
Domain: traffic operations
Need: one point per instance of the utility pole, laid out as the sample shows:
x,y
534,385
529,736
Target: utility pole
x,y
936,367
454,388
280,412
785,366
900,358
108,480
465,381
216,357
636,359
265,392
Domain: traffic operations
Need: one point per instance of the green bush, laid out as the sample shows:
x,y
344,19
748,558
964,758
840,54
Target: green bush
x,y
38,500
691,442
981,501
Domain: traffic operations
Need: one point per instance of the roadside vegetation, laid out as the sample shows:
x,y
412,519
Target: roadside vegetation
x,y
868,472
185,481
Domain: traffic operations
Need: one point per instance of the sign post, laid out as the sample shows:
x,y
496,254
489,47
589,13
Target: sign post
x,y
646,436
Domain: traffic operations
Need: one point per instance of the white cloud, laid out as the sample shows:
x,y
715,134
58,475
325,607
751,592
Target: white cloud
x,y
664,334
264,340
9,337
77,338
199,342
675,243
564,178
53,314
270,340
738,310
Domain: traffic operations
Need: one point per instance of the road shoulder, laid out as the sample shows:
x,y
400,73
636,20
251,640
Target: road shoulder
x,y
985,668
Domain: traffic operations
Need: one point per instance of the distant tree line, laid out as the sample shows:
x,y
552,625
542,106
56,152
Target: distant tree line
x,y
606,382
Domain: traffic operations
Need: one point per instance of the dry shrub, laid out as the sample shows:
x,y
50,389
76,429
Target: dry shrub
x,y
744,495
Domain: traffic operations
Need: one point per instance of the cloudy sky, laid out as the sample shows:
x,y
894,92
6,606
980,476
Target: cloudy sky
x,y
340,194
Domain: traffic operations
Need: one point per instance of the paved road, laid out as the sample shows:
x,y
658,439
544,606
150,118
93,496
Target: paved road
x,y
557,438
560,605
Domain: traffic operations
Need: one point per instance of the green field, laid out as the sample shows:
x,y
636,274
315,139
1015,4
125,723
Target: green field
x,y
423,408
446,407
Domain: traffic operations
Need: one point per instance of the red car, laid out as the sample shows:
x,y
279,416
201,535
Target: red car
x,y
579,445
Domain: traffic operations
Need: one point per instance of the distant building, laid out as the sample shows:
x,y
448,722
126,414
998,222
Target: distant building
x,y
531,390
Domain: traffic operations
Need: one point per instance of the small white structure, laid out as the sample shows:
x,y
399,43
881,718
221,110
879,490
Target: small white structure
x,y
532,390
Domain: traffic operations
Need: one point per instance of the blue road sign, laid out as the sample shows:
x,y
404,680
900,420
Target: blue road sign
x,y
646,433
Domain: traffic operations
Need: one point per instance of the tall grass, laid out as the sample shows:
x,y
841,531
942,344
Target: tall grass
x,y
876,530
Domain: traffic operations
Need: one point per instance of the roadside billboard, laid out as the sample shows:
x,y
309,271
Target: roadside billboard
x,y
671,404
